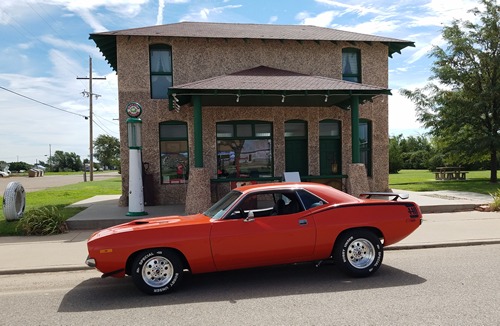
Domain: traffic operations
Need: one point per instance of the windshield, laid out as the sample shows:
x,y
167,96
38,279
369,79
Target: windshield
x,y
221,207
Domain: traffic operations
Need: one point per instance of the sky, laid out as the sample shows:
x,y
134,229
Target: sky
x,y
45,48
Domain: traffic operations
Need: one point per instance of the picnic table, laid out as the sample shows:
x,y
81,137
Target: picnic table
x,y
450,173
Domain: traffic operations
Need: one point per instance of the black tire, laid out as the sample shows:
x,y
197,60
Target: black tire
x,y
358,253
157,271
14,201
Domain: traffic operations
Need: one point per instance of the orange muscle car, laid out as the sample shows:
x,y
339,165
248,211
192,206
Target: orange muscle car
x,y
256,225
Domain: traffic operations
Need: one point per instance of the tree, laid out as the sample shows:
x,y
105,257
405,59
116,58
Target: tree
x,y
462,110
64,161
107,150
395,159
19,166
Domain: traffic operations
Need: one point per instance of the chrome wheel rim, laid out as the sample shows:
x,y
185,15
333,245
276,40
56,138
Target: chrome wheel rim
x,y
361,253
157,271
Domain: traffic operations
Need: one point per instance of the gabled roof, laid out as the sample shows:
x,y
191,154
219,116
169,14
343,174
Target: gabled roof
x,y
106,41
251,86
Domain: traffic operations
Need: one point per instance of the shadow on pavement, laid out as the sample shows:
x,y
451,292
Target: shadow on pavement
x,y
109,294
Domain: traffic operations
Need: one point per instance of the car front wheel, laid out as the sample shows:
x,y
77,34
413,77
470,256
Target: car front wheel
x,y
157,271
358,253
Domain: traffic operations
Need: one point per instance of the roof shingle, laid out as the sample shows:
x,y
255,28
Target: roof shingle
x,y
271,79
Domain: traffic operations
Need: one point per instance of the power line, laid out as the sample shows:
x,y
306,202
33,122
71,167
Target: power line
x,y
105,129
40,102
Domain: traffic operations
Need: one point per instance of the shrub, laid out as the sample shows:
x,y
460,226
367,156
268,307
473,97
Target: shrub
x,y
495,205
43,221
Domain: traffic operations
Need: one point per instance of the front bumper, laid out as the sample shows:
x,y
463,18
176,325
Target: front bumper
x,y
90,262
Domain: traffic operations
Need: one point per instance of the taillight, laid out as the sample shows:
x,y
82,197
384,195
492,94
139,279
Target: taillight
x,y
413,211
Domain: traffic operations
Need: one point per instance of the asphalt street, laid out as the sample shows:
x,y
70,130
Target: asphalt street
x,y
440,286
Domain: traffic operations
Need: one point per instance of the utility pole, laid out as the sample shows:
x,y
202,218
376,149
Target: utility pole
x,y
90,94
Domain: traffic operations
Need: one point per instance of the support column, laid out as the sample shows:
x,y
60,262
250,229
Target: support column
x,y
356,153
198,132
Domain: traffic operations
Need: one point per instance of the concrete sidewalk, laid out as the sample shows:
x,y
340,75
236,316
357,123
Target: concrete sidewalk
x,y
440,228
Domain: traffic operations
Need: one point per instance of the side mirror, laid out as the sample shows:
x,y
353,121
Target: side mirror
x,y
250,217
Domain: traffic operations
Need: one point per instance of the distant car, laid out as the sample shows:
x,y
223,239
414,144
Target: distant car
x,y
255,225
3,174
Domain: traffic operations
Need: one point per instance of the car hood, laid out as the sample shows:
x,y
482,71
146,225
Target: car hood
x,y
152,223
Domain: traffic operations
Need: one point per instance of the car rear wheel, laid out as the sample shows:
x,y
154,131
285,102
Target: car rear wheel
x,y
359,253
157,271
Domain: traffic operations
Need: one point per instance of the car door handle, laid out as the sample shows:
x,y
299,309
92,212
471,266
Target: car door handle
x,y
303,222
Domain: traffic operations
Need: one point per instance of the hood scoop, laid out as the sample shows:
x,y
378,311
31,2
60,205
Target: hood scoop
x,y
139,222
168,220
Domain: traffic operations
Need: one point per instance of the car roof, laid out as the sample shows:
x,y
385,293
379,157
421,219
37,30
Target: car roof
x,y
326,192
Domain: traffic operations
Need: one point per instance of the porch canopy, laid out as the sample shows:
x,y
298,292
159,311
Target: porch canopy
x,y
265,86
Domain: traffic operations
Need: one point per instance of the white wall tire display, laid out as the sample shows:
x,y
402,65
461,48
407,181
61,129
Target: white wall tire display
x,y
14,201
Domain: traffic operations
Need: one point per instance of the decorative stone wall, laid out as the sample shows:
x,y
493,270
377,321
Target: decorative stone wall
x,y
198,197
357,182
196,59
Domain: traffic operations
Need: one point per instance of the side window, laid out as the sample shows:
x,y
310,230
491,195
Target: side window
x,y
268,204
351,65
160,70
309,200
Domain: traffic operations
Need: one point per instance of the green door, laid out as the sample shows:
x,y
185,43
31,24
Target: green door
x,y
296,156
329,157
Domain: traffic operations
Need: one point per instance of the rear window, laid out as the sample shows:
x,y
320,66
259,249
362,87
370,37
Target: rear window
x,y
309,200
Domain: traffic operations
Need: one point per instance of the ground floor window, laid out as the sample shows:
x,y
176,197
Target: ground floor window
x,y
244,149
365,138
174,153
296,158
330,147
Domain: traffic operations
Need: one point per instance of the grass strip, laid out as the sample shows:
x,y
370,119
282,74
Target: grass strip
x,y
62,197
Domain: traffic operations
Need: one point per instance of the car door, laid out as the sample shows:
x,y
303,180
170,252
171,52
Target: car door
x,y
263,239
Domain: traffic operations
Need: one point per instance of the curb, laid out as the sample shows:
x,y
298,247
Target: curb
x,y
443,245
37,270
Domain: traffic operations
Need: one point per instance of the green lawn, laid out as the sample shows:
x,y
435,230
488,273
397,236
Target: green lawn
x,y
62,197
423,180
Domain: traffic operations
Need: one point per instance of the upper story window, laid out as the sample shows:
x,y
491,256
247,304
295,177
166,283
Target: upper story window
x,y
351,65
160,70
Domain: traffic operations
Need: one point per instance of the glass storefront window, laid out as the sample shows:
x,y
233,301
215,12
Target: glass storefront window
x,y
244,150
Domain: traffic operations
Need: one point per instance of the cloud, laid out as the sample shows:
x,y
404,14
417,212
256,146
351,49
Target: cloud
x,y
323,19
361,9
33,126
272,19
402,116
206,14
159,17
378,25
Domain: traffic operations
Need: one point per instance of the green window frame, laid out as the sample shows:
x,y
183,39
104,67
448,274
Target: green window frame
x,y
160,67
330,147
296,147
351,65
365,142
244,149
174,152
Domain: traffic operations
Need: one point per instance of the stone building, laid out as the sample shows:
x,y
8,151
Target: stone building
x,y
226,104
